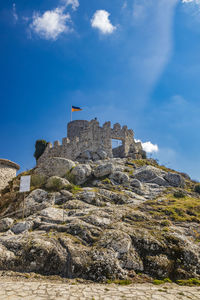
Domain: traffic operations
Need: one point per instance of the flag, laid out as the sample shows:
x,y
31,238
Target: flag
x,y
75,108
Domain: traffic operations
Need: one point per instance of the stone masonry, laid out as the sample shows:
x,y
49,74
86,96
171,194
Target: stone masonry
x,y
88,140
8,170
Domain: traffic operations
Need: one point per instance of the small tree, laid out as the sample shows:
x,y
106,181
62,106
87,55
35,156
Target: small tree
x,y
40,146
197,188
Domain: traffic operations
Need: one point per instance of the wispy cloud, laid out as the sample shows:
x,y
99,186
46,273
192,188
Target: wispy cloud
x,y
100,20
189,1
73,3
14,13
153,23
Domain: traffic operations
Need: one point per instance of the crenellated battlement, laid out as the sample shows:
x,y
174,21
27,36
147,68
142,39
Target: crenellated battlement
x,y
91,138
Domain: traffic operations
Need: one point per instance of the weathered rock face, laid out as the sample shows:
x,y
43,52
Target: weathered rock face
x,y
154,175
120,178
36,201
81,173
105,229
103,170
55,166
5,224
175,180
21,227
56,182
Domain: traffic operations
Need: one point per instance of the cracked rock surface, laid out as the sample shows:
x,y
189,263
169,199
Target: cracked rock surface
x,y
118,222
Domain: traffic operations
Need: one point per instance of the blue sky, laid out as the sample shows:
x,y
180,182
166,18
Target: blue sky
x,y
136,62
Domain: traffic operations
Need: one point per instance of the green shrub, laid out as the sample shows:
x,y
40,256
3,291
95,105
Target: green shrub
x,y
179,194
40,146
38,180
106,181
158,282
73,188
191,282
70,177
120,282
197,188
55,185
165,223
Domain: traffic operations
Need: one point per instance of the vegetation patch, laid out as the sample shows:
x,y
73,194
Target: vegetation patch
x,y
38,181
106,181
179,194
185,209
70,177
158,282
120,282
190,282
74,189
40,146
197,188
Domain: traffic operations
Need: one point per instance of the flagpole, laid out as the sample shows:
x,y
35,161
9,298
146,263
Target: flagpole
x,y
71,112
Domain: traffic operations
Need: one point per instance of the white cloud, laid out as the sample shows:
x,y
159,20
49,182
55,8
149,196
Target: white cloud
x,y
51,24
149,147
14,13
187,1
191,1
73,3
100,20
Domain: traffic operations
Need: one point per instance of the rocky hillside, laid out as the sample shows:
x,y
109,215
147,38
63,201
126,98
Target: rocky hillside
x,y
105,220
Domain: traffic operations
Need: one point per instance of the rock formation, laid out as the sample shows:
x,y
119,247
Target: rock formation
x,y
100,220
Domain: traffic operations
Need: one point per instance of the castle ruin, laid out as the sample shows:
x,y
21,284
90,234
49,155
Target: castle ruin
x,y
88,140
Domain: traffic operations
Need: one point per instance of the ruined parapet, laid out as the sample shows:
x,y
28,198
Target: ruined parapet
x,y
8,170
89,137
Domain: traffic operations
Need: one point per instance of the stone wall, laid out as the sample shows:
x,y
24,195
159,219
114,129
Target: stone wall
x,y
89,136
8,170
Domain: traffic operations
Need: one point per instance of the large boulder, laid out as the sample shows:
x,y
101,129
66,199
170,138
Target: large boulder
x,y
36,200
103,170
7,258
118,241
55,166
148,173
22,226
81,173
56,183
151,174
159,266
135,183
102,154
5,224
52,214
104,265
174,179
92,155
62,197
159,181
120,178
